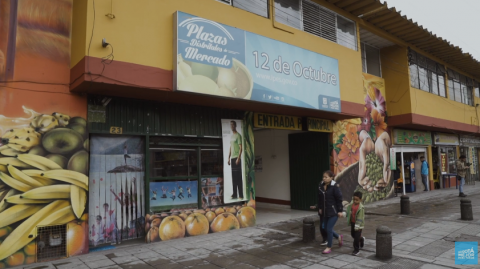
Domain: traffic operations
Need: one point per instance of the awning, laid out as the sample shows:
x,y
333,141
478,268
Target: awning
x,y
391,21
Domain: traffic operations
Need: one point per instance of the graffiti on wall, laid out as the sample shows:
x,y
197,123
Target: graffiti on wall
x,y
361,147
116,200
214,216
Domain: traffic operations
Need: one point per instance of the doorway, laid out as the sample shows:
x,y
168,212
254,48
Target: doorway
x,y
308,154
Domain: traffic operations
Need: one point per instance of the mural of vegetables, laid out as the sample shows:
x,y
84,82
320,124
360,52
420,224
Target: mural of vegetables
x,y
360,155
43,182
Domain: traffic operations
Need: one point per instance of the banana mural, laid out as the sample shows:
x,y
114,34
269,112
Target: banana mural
x,y
43,181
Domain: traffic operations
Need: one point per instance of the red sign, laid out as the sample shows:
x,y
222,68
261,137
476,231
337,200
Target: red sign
x,y
443,162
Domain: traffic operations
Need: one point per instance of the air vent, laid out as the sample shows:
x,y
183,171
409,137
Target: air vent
x,y
229,2
51,242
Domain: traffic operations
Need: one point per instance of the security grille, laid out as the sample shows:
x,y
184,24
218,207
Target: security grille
x,y
51,242
327,24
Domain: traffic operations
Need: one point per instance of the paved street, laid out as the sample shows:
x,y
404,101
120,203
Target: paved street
x,y
425,239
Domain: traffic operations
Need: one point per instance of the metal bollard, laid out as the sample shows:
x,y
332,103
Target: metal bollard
x,y
404,205
384,243
466,209
308,230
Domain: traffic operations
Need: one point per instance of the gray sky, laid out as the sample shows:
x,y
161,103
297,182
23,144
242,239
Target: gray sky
x,y
457,21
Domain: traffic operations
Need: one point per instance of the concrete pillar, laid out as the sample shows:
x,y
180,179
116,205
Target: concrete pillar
x,y
466,209
384,243
308,230
404,205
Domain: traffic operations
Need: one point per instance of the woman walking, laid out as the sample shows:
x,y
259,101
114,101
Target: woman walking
x,y
330,208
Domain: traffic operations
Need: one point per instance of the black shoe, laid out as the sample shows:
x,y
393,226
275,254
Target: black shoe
x,y
355,252
362,242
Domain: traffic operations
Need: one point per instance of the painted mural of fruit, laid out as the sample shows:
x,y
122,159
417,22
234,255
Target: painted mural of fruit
x,y
38,150
201,211
172,227
246,217
76,238
63,120
219,211
79,162
2,265
22,139
224,222
3,168
78,120
210,216
62,141
183,216
156,222
147,227
30,249
153,235
86,145
4,231
44,123
251,203
231,210
196,224
30,260
58,159
79,128
15,259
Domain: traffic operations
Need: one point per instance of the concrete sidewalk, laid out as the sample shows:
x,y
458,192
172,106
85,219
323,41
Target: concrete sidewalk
x,y
425,239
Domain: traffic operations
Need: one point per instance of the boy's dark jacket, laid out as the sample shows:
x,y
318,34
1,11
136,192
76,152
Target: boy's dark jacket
x,y
330,200
359,217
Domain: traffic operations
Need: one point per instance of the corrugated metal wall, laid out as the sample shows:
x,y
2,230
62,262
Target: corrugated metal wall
x,y
309,158
155,118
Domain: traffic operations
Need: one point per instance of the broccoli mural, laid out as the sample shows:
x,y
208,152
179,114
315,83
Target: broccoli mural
x,y
44,146
360,155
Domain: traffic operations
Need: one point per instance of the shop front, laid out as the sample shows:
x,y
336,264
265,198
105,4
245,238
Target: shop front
x,y
470,146
290,152
409,147
445,154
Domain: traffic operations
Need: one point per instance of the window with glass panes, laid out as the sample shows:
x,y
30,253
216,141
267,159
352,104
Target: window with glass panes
x,y
371,60
460,88
318,20
426,74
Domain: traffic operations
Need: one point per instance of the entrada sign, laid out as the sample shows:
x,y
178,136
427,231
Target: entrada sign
x,y
277,121
319,125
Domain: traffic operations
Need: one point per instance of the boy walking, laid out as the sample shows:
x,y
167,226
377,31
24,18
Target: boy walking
x,y
356,219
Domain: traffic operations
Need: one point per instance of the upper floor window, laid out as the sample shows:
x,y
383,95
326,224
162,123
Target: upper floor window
x,y
476,88
460,88
371,60
426,74
259,7
318,20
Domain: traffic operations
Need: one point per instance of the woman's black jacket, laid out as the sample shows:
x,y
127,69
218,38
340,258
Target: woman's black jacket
x,y
330,200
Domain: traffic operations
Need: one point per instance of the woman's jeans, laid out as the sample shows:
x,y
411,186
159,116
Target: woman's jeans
x,y
462,182
329,223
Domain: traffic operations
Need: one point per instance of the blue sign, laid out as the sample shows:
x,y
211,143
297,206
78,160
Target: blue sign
x,y
466,253
220,60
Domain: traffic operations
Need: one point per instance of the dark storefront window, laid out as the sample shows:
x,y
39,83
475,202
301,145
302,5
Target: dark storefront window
x,y
173,162
212,161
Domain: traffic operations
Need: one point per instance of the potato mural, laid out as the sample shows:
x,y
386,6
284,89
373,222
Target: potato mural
x,y
360,155
43,182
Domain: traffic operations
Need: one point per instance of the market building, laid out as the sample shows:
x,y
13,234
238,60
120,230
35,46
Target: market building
x,y
156,120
